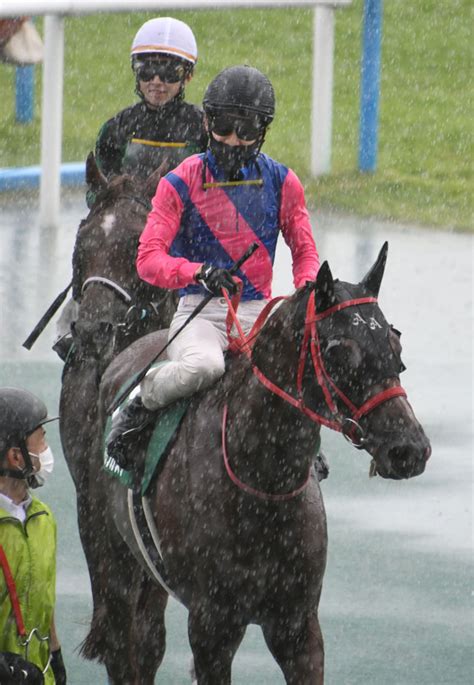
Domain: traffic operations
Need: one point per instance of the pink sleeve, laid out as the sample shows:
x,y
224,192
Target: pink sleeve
x,y
154,264
297,232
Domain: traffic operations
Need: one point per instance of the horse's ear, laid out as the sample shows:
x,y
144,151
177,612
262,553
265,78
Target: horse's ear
x,y
153,179
324,288
373,278
94,177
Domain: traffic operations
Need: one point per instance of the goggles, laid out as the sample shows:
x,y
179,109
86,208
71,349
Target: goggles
x,y
169,71
248,129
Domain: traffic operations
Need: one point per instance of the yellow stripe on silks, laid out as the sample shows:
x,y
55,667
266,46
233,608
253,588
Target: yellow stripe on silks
x,y
157,143
223,184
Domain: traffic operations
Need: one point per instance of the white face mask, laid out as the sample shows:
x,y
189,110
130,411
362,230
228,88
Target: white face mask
x,y
46,465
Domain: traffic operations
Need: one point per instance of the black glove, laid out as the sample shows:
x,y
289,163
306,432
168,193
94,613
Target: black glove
x,y
58,668
214,279
14,670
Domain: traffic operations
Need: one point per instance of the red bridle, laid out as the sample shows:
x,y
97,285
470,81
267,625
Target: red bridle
x,y
347,425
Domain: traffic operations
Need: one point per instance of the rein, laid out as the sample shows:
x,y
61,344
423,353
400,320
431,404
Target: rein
x,y
347,425
269,497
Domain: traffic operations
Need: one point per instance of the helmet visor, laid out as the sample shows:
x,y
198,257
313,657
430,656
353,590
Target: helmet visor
x,y
168,70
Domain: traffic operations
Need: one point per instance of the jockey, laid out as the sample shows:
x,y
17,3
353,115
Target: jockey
x,y
205,215
162,125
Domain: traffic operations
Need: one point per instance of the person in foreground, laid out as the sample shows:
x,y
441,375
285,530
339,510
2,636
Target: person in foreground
x,y
205,215
27,542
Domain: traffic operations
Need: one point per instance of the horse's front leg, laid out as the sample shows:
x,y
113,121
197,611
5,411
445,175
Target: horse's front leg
x,y
298,648
214,637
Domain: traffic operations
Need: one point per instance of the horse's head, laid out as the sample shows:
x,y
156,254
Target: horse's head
x,y
345,368
116,306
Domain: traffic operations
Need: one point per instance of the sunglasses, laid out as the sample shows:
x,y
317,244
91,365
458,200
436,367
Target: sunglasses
x,y
169,71
245,129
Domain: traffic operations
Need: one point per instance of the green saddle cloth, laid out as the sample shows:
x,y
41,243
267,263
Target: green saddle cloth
x,y
166,426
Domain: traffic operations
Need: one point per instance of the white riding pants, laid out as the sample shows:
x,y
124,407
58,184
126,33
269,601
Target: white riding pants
x,y
197,354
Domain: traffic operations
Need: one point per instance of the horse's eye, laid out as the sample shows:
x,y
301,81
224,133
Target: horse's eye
x,y
343,352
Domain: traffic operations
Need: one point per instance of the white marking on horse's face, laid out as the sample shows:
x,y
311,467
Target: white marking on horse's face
x,y
108,223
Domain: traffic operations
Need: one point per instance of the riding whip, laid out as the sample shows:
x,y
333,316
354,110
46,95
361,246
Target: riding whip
x,y
141,375
46,318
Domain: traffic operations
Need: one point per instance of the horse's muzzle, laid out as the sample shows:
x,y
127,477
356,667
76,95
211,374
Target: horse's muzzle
x,y
399,462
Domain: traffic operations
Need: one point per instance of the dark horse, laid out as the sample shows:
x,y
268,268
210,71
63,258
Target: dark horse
x,y
115,308
240,523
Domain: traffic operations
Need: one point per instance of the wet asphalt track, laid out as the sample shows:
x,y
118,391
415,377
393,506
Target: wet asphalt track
x,y
396,606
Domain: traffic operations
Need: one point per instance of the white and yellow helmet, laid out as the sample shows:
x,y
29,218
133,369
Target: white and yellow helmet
x,y
167,36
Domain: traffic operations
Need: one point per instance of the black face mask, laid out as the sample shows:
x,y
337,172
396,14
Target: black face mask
x,y
232,158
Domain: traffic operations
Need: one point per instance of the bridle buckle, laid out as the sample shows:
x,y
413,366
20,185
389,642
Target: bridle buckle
x,y
349,428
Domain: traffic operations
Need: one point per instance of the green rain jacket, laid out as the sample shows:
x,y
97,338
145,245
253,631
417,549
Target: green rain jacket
x,y
30,548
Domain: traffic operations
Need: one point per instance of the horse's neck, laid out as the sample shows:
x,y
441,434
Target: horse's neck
x,y
270,444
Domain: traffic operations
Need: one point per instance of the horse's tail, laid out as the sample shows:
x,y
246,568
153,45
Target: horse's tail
x,y
94,646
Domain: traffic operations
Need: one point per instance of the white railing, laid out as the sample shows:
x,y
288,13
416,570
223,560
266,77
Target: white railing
x,y
53,67
20,7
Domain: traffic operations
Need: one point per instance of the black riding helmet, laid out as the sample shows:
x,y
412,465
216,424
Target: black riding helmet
x,y
240,98
241,88
21,413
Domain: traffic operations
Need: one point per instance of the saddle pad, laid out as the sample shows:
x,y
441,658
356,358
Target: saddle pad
x,y
166,426
165,429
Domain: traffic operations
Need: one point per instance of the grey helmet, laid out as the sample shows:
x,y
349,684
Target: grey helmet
x,y
21,413
241,88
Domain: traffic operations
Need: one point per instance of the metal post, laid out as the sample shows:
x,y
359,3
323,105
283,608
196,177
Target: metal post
x,y
24,94
51,120
370,85
321,110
